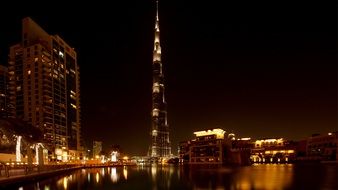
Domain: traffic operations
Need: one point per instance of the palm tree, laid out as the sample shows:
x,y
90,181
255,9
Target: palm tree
x,y
19,127
12,128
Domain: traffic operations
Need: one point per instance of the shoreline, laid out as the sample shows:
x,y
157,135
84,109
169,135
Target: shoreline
x,y
22,179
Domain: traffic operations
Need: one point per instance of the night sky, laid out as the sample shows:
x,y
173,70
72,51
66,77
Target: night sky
x,y
258,69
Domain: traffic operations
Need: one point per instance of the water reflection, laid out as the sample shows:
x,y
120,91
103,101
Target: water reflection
x,y
113,175
125,173
162,176
103,172
257,177
65,182
273,176
97,177
153,171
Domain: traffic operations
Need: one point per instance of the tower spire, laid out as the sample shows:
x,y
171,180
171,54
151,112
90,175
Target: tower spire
x,y
160,144
157,46
157,10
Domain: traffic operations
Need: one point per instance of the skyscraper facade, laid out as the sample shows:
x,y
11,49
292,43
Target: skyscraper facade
x,y
44,88
160,143
97,148
3,91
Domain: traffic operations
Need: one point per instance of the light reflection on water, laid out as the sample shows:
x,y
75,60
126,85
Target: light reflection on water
x,y
270,176
125,173
278,177
97,177
65,182
153,172
113,175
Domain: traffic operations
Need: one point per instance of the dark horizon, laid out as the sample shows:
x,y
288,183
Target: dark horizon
x,y
259,70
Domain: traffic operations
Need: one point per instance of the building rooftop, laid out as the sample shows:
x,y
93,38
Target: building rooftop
x,y
218,132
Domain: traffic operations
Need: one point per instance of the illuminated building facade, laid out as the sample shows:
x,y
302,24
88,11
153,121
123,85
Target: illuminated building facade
x,y
273,151
322,146
3,91
160,144
184,151
207,147
218,147
44,88
97,148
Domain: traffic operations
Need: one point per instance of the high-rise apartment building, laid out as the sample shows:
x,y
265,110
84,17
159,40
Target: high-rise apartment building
x,y
44,88
3,91
160,143
97,148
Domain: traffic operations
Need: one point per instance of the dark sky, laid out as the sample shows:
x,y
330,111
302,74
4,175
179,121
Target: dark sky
x,y
259,69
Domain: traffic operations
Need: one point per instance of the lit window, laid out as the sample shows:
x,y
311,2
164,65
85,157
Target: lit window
x,y
72,71
156,88
29,72
157,39
155,112
73,97
154,132
156,57
60,54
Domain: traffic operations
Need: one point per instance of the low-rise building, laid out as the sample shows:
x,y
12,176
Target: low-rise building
x,y
208,147
218,147
273,150
183,151
323,147
212,147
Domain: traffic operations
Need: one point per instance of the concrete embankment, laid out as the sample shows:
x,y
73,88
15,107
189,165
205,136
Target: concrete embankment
x,y
47,173
21,179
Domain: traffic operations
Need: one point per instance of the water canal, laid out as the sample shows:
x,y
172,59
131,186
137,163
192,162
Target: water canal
x,y
268,176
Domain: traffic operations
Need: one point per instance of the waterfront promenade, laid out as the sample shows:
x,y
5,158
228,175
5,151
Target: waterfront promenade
x,y
17,173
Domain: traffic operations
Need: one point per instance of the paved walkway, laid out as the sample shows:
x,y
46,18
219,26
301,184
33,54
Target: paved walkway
x,y
18,175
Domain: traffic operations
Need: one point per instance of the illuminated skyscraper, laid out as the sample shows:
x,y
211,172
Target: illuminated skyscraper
x,y
44,88
3,91
160,143
97,148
